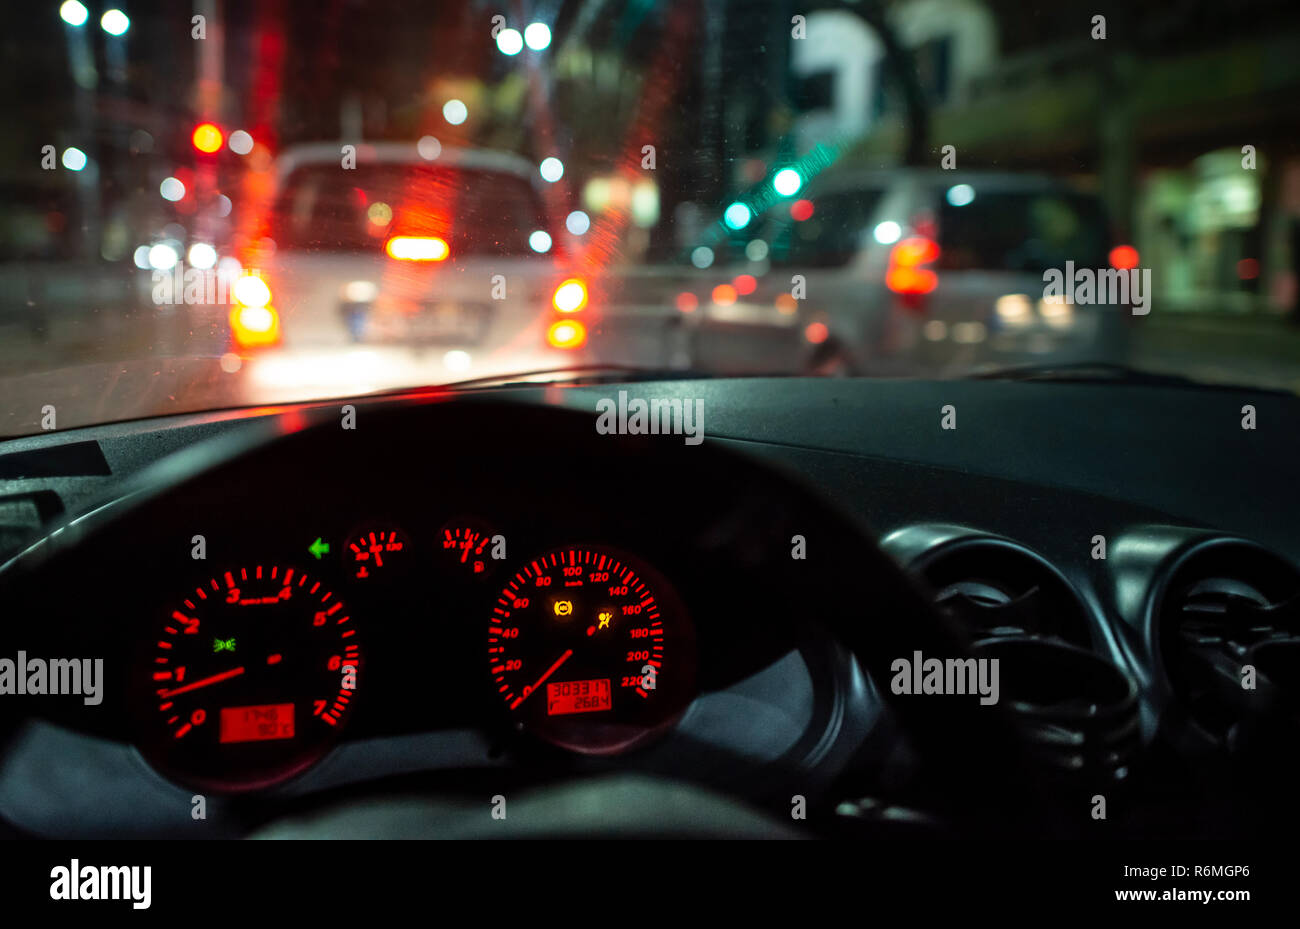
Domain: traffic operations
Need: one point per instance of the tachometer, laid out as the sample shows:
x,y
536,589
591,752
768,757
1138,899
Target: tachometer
x,y
248,678
591,650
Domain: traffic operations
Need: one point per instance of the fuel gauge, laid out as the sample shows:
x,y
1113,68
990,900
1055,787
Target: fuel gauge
x,y
467,546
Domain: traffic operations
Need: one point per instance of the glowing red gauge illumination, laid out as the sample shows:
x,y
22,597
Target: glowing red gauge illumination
x,y
578,697
246,678
256,723
590,652
468,546
374,550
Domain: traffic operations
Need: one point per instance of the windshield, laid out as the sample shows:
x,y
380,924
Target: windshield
x,y
224,204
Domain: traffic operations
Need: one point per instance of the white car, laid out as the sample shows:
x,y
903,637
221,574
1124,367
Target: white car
x,y
943,269
403,270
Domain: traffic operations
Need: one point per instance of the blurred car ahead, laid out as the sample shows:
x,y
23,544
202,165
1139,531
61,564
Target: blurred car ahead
x,y
942,266
404,270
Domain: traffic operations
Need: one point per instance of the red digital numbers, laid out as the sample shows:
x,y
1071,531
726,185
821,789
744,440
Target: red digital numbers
x,y
578,697
257,723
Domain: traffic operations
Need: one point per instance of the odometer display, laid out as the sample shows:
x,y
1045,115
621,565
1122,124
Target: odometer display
x,y
247,679
256,723
578,697
590,649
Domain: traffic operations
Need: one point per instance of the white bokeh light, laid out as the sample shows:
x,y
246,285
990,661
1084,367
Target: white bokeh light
x,y
540,241
172,189
202,255
577,222
510,42
551,169
455,112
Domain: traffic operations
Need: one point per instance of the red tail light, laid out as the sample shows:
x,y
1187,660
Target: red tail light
x,y
254,325
417,248
906,273
566,333
570,296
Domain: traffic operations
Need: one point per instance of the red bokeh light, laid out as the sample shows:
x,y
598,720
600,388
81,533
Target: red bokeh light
x,y
1123,257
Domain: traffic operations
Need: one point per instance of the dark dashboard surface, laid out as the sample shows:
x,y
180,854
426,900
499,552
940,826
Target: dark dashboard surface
x,y
1091,523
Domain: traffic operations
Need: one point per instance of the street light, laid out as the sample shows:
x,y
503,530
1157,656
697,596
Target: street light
x,y
114,21
74,159
537,36
74,13
510,42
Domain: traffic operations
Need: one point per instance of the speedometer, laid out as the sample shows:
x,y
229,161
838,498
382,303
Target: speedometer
x,y
591,650
246,680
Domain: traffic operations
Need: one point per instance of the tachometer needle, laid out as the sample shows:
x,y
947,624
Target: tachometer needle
x,y
528,691
214,679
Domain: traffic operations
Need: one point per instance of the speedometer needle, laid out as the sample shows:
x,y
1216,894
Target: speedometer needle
x,y
528,691
214,679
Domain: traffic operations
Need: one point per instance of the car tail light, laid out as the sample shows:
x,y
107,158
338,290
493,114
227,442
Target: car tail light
x,y
254,325
906,274
251,290
570,297
566,334
417,248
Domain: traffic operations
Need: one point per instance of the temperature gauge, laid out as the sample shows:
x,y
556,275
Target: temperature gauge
x,y
372,551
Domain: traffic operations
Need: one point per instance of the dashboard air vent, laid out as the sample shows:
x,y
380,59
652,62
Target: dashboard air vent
x,y
1228,623
1078,711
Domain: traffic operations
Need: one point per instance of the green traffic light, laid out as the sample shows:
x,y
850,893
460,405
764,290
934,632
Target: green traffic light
x,y
737,216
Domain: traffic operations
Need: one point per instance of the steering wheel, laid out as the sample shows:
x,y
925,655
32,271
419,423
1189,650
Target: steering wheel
x,y
972,774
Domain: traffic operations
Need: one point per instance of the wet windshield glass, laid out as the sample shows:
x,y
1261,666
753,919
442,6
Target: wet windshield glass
x,y
240,203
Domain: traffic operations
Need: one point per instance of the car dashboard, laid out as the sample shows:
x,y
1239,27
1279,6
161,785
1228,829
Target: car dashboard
x,y
258,613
